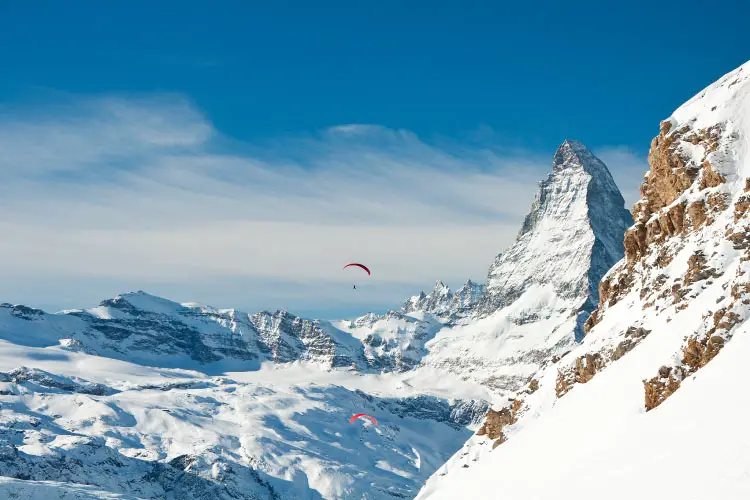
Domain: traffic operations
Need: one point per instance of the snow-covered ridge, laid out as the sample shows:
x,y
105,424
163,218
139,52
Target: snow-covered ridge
x,y
443,302
151,330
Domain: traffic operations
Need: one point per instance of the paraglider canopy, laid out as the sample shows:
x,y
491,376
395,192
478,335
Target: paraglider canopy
x,y
365,415
359,265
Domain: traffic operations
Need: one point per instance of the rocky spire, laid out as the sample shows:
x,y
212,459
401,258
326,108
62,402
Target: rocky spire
x,y
570,238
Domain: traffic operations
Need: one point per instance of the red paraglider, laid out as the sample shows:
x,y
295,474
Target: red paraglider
x,y
358,415
359,265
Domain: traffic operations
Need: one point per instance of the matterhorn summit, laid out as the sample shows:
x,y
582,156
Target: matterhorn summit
x,y
569,239
540,291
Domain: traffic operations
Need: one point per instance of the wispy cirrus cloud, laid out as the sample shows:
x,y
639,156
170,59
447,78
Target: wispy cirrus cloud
x,y
126,190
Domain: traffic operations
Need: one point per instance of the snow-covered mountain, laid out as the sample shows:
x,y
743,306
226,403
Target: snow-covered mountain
x,y
569,239
540,291
142,397
151,330
651,403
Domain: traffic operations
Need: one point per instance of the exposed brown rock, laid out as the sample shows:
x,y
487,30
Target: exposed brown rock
x,y
635,242
717,202
664,257
517,405
658,389
591,322
709,177
670,174
697,213
729,320
563,383
740,239
677,216
740,289
495,421
678,293
533,386
698,270
500,440
611,290
697,354
587,366
741,207
632,337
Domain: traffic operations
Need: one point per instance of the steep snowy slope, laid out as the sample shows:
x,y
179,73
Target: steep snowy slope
x,y
600,443
633,405
540,291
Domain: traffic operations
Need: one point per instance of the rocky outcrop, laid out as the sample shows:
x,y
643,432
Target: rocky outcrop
x,y
394,342
586,366
289,338
693,197
495,421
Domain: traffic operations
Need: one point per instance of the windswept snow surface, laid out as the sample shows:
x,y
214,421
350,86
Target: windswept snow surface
x,y
598,442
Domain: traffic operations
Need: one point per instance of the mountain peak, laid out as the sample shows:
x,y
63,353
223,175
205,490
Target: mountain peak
x,y
572,154
571,236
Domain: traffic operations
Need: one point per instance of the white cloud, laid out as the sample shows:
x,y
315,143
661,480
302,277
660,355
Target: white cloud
x,y
123,190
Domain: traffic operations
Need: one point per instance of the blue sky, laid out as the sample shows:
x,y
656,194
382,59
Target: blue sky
x,y
145,140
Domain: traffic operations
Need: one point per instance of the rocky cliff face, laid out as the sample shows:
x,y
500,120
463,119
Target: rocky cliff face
x,y
690,239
